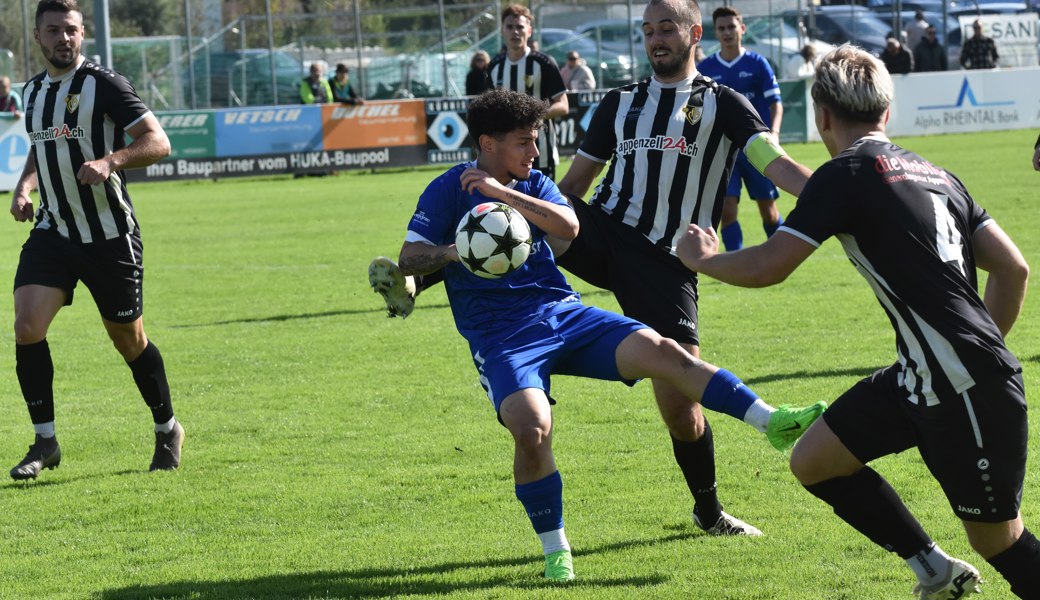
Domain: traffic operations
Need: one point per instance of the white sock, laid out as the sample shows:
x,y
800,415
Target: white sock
x,y
553,541
931,565
44,429
166,427
757,415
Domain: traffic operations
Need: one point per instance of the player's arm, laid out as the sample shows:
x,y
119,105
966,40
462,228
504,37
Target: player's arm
x,y
423,258
150,144
763,265
776,117
788,175
554,219
1008,271
559,107
21,203
580,176
771,160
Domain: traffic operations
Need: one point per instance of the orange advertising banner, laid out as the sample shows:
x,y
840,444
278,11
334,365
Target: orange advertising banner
x,y
374,124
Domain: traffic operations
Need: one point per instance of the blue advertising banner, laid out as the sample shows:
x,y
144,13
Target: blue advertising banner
x,y
268,130
14,150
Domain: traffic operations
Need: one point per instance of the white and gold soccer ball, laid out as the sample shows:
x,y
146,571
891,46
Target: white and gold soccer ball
x,y
493,240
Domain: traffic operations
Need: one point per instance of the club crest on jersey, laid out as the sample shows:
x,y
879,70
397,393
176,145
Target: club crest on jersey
x,y
528,81
693,113
72,102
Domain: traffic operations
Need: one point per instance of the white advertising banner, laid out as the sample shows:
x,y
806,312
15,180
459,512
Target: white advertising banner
x,y
14,150
966,101
1016,37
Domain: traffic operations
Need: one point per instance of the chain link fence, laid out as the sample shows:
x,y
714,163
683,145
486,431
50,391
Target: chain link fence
x,y
391,53
425,50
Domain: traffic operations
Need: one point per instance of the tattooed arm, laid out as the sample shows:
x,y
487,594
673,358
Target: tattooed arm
x,y
554,219
418,258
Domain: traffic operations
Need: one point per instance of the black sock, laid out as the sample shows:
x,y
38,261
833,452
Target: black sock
x,y
868,503
150,376
697,462
35,371
1020,566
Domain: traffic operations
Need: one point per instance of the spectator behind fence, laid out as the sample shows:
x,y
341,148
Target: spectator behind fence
x,y
897,58
477,80
929,54
915,29
803,64
979,52
314,89
576,74
10,102
339,85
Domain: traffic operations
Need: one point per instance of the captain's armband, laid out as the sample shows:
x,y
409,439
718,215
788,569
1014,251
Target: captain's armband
x,y
763,149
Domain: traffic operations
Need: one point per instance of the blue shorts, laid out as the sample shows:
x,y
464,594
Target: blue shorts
x,y
759,186
579,341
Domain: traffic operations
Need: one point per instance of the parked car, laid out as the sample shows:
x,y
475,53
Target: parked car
x,y
243,78
610,67
615,34
910,5
776,40
837,24
965,9
402,89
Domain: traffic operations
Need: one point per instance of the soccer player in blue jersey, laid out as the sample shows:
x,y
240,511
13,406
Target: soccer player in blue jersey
x,y
530,324
749,73
956,392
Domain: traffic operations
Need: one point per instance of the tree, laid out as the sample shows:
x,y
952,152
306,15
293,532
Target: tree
x,y
144,18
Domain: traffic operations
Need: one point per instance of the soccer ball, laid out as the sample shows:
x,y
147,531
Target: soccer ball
x,y
493,240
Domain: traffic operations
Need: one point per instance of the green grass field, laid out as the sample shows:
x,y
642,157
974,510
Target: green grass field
x,y
334,453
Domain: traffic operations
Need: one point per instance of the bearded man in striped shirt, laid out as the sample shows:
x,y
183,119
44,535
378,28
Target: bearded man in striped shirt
x,y
85,229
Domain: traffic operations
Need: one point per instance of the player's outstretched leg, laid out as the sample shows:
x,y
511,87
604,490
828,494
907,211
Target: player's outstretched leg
x,y
398,290
645,354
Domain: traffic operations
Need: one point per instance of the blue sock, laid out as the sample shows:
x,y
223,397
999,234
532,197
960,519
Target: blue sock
x,y
732,236
771,229
543,501
727,394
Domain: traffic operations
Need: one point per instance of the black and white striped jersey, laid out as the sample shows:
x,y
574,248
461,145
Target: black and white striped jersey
x,y
673,146
538,76
79,117
907,227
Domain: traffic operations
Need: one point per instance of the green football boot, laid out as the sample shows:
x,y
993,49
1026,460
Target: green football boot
x,y
788,424
559,566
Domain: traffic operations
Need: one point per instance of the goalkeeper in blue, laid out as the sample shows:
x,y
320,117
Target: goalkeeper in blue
x,y
528,325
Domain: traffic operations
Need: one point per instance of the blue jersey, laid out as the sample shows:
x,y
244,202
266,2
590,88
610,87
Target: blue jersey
x,y
486,310
750,75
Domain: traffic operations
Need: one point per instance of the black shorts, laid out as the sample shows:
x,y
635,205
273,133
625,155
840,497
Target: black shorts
x,y
111,269
974,444
650,284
